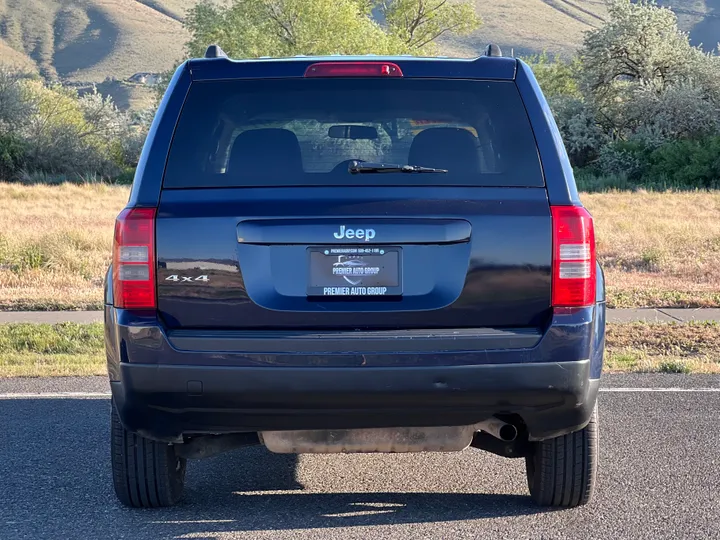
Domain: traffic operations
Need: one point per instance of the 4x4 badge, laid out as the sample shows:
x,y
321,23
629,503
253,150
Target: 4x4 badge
x,y
184,279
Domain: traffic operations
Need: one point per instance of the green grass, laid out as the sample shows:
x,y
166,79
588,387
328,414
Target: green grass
x,y
52,365
675,366
62,338
69,349
40,350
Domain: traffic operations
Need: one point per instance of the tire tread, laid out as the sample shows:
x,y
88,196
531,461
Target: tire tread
x,y
562,471
144,471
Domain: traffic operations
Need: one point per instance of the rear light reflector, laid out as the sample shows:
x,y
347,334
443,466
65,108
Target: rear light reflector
x,y
134,259
133,272
573,265
133,254
570,252
574,270
354,69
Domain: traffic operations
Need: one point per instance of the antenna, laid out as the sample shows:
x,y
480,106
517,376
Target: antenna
x,y
492,50
214,51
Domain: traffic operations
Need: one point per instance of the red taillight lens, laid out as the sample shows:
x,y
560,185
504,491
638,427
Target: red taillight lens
x,y
573,264
134,259
354,69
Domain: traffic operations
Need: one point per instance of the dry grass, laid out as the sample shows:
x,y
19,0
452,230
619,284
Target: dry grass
x,y
89,40
670,348
559,26
55,244
530,26
657,249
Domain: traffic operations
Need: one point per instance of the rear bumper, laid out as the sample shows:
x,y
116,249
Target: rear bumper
x,y
165,402
167,385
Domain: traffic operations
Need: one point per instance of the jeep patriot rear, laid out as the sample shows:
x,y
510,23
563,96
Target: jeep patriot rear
x,y
354,254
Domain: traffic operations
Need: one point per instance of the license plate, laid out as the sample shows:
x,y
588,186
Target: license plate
x,y
354,271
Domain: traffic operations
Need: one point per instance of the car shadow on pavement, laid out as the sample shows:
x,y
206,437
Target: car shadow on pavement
x,y
256,490
58,460
282,511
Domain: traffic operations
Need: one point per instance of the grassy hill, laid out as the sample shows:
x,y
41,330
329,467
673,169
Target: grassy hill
x,y
557,26
90,40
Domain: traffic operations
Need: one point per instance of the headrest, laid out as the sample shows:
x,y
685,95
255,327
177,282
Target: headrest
x,y
265,152
454,149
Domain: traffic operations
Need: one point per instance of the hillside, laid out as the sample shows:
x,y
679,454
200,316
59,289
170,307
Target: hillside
x,y
90,40
557,26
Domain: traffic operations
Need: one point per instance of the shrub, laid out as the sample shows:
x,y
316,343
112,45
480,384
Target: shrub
x,y
50,133
693,163
582,135
73,135
675,366
13,152
678,164
14,107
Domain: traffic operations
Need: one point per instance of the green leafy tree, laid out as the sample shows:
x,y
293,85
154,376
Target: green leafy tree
x,y
556,77
643,84
419,23
252,28
640,43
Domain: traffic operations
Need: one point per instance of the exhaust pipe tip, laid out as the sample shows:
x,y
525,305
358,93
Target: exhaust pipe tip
x,y
508,433
499,429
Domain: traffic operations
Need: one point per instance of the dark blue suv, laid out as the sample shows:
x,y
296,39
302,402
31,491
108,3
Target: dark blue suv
x,y
354,254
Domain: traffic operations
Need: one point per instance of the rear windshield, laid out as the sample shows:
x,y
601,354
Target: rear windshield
x,y
301,132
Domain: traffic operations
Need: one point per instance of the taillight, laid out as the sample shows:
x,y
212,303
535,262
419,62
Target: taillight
x,y
134,259
354,69
573,264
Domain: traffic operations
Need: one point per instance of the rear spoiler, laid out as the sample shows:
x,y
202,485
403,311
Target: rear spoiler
x,y
217,66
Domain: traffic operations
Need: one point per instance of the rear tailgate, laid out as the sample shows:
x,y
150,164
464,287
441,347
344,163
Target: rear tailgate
x,y
470,257
261,225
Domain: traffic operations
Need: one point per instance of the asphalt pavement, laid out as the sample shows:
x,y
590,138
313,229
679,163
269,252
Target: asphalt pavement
x,y
659,478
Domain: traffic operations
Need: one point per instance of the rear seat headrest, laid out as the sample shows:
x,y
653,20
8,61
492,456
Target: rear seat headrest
x,y
263,152
446,148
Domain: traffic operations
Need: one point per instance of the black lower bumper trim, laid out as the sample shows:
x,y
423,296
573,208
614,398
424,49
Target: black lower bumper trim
x,y
166,402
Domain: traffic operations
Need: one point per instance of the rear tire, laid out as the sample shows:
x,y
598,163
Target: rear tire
x,y
561,472
146,473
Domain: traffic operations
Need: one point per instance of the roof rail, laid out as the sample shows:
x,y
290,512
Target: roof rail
x,y
492,50
214,51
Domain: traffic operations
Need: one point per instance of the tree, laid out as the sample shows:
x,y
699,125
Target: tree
x,y
70,134
640,43
252,28
556,77
632,65
418,23
14,108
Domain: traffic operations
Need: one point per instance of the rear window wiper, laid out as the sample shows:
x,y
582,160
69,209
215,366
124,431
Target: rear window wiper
x,y
362,167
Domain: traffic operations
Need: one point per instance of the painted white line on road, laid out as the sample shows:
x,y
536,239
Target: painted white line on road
x,y
103,395
659,389
55,395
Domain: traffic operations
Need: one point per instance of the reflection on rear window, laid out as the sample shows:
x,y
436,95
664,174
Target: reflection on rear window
x,y
293,132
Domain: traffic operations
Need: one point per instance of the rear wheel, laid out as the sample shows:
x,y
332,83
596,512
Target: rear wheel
x,y
562,472
146,474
